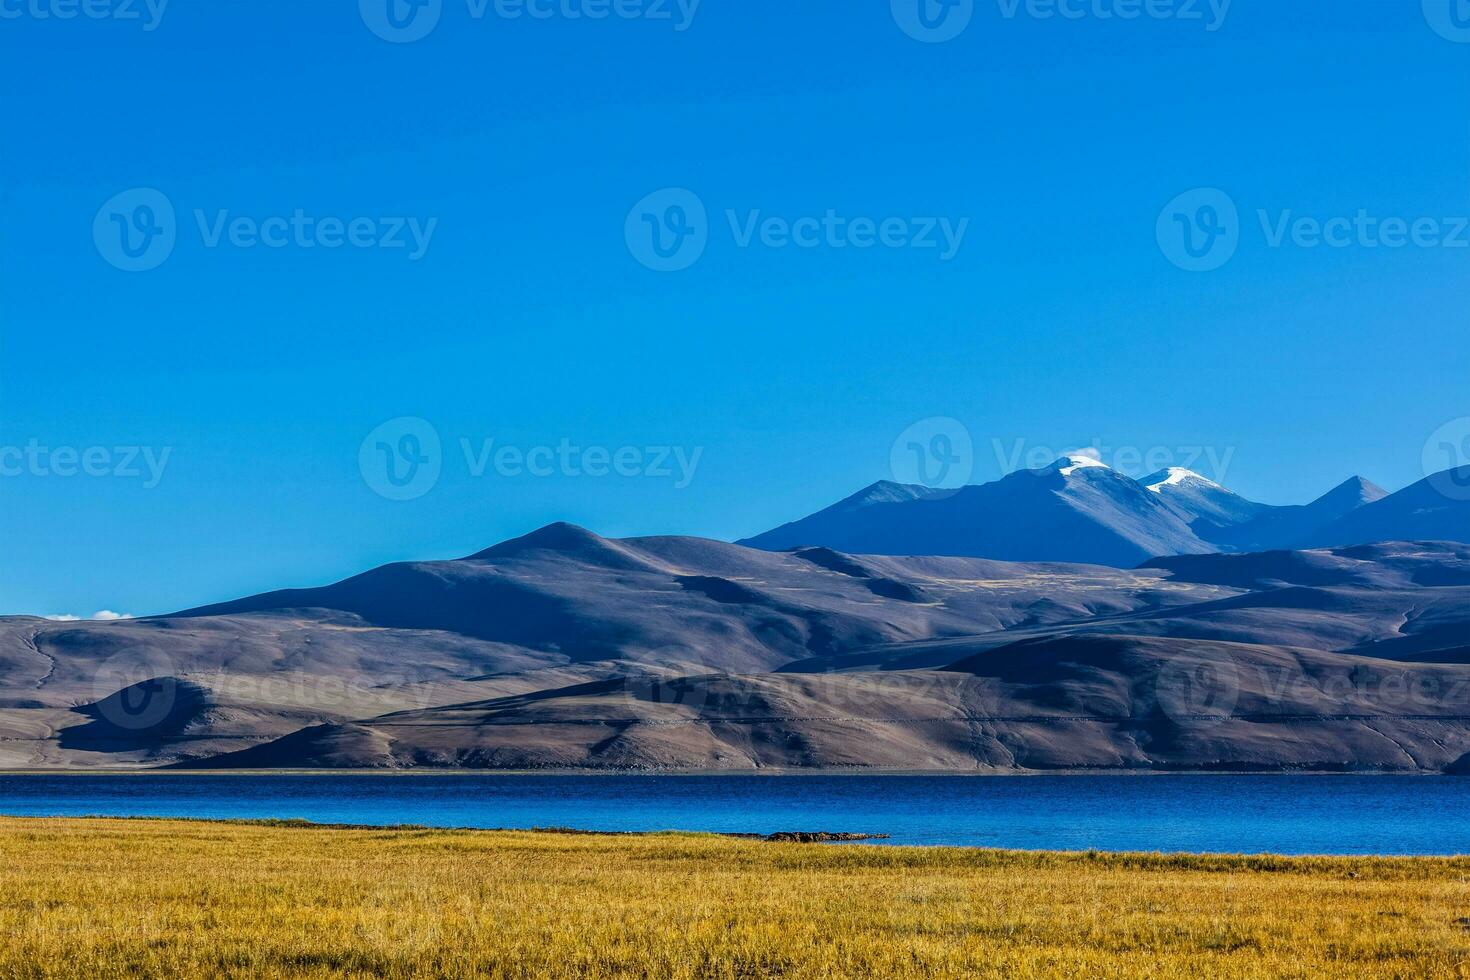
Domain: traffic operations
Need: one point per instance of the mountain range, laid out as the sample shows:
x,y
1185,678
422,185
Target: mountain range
x,y
1080,510
562,649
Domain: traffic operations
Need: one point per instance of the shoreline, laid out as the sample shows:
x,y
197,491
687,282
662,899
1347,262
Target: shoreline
x,y
776,837
835,839
825,838
768,773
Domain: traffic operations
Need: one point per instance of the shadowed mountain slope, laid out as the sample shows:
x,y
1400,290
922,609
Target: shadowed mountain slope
x,y
1078,510
558,606
574,596
1434,509
1286,527
1199,501
564,649
1105,702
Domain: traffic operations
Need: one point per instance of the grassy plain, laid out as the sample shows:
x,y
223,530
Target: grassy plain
x,y
135,898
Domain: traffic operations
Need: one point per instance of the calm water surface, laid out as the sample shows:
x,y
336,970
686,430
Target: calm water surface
x,y
1237,814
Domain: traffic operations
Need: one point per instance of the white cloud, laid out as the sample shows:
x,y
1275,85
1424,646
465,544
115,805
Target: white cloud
x,y
105,615
64,619
108,614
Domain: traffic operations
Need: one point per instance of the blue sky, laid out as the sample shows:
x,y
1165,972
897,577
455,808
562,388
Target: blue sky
x,y
252,375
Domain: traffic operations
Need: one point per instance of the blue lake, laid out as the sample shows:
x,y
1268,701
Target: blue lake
x,y
1234,814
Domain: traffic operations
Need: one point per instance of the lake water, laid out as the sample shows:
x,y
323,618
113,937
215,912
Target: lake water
x,y
1234,814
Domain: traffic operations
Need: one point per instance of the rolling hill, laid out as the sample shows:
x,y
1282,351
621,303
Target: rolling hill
x,y
563,649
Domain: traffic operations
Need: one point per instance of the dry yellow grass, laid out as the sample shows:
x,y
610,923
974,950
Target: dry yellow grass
x,y
99,898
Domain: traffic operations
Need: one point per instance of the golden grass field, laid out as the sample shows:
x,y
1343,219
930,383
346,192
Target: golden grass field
x,y
135,898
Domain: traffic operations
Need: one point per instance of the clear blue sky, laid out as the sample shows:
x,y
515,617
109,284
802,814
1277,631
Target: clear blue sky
x,y
529,320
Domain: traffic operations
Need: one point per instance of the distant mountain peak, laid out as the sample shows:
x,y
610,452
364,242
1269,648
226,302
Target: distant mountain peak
x,y
1200,502
1078,509
1421,512
887,492
565,542
559,536
1355,489
1175,476
1082,459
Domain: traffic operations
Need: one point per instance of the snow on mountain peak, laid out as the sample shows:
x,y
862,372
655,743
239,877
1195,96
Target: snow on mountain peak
x,y
1069,463
1176,476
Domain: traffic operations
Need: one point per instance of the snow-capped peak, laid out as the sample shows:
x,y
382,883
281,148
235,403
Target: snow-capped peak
x,y
1069,463
1176,476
